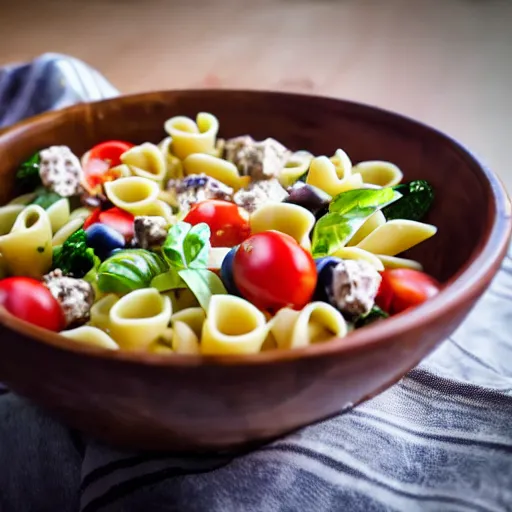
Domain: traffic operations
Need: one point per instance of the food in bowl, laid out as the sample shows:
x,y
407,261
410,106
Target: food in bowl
x,y
200,245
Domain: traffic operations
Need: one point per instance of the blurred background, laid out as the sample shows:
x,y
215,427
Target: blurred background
x,y
445,62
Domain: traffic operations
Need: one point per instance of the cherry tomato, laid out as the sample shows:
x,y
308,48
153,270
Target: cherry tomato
x,y
403,288
93,218
29,300
228,223
110,151
272,271
118,219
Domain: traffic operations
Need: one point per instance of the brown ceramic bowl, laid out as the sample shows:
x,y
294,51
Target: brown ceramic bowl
x,y
211,403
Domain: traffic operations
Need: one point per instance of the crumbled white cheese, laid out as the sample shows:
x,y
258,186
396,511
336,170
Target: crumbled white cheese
x,y
259,160
259,193
75,296
60,170
150,231
198,187
355,284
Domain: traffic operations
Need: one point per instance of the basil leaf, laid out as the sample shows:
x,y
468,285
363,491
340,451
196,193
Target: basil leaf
x,y
45,198
203,284
172,248
347,213
128,270
169,280
27,176
360,200
416,201
196,246
374,315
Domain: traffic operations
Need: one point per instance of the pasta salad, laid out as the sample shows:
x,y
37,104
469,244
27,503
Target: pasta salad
x,y
203,245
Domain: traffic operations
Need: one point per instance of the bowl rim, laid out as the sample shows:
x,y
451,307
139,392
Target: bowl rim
x,y
476,273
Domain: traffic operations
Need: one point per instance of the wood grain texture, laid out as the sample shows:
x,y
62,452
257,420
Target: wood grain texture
x,y
209,403
445,62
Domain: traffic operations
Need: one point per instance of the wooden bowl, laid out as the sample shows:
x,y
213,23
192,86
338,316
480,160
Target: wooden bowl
x,y
213,403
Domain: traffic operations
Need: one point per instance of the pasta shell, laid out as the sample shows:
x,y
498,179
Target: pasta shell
x,y
376,172
322,174
134,194
287,218
92,336
233,326
146,161
396,236
192,137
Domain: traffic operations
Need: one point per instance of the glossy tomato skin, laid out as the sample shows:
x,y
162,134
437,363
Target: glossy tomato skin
x,y
272,271
120,220
403,288
110,151
29,300
228,223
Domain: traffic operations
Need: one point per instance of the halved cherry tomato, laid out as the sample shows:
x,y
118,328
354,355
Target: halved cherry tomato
x,y
403,288
120,220
100,159
30,300
228,223
272,271
93,218
110,151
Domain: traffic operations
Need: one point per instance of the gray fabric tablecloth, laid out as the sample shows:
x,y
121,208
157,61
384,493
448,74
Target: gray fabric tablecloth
x,y
439,440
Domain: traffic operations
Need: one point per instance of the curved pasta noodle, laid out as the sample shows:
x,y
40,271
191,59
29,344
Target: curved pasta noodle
x,y
192,137
374,221
139,318
376,172
296,166
59,214
8,216
342,164
184,340
92,336
291,219
394,262
193,317
80,213
355,253
396,236
217,168
23,199
146,161
159,208
100,311
121,171
3,269
233,326
315,323
174,167
27,249
133,194
67,230
322,174
159,347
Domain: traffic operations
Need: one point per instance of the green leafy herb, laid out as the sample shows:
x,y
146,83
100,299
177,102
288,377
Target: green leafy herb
x,y
187,246
169,280
186,251
374,315
45,198
128,270
203,284
74,256
347,213
27,177
416,201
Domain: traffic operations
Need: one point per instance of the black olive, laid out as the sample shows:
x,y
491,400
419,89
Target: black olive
x,y
309,197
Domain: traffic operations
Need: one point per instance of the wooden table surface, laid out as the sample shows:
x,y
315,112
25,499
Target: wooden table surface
x,y
446,62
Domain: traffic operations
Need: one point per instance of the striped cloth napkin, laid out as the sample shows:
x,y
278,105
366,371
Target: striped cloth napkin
x,y
439,440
